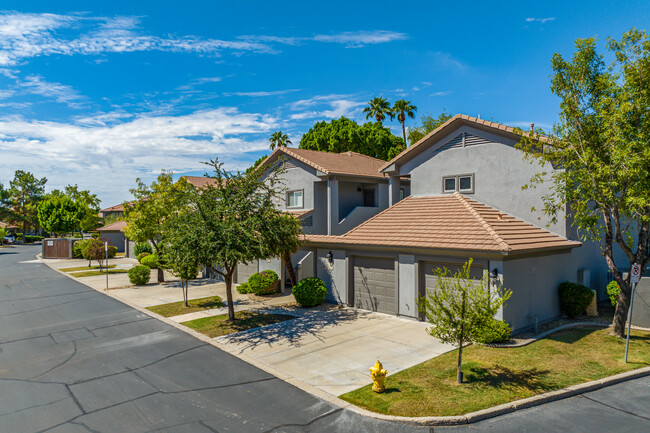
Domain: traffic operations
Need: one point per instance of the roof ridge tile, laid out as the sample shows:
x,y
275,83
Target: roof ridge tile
x,y
503,244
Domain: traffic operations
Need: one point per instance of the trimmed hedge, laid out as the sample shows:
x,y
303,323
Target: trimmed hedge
x,y
574,298
151,260
142,247
139,275
140,256
263,283
310,292
78,246
612,292
493,332
244,288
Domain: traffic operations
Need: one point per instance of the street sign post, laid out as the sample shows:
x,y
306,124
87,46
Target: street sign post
x,y
106,250
635,277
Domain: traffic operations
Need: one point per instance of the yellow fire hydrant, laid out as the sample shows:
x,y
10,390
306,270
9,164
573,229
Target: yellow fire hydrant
x,y
378,374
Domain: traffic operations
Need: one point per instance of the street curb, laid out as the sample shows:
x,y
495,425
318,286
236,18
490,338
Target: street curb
x,y
420,421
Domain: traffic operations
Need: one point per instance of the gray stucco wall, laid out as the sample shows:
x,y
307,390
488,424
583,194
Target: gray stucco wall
x,y
334,276
408,292
301,177
499,173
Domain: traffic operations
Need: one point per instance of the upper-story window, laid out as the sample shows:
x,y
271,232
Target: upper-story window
x,y
294,199
461,183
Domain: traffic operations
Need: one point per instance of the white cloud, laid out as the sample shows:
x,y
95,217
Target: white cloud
x,y
361,38
325,106
107,158
443,93
540,20
36,85
262,93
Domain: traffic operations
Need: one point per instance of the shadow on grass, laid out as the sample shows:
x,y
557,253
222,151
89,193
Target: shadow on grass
x,y
573,335
500,377
311,324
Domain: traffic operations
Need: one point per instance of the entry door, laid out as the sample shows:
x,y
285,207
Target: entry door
x,y
374,284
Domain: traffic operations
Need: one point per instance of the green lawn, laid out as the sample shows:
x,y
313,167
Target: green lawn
x,y
83,268
95,273
496,376
219,325
178,308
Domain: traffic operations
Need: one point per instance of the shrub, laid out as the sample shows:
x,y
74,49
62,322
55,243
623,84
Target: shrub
x,y
112,251
142,247
574,298
139,275
141,256
78,246
262,283
613,291
493,332
310,292
151,260
244,288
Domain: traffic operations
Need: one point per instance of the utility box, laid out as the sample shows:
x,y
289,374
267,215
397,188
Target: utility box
x,y
592,309
57,248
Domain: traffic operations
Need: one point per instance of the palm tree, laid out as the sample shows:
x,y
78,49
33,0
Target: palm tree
x,y
279,139
378,108
404,108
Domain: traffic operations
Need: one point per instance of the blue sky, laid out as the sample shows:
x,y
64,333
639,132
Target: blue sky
x,y
100,93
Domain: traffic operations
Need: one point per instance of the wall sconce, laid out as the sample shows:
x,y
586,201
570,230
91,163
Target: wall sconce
x,y
330,258
494,276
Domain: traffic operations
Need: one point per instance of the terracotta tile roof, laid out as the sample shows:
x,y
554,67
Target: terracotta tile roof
x,y
117,226
7,225
346,163
452,222
451,124
200,181
116,208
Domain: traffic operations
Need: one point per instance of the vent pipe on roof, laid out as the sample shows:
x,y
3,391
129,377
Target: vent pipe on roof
x,y
479,117
532,127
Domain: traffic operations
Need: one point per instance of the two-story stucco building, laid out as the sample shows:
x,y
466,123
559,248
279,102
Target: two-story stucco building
x,y
465,201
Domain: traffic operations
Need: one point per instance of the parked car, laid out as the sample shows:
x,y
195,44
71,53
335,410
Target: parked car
x,y
9,240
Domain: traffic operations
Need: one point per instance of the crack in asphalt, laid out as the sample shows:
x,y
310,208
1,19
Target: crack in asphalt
x,y
48,335
120,324
84,426
33,407
74,352
614,407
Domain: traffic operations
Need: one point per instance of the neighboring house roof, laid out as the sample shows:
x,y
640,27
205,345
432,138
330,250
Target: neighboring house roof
x,y
117,226
5,225
200,181
116,208
346,163
454,123
450,222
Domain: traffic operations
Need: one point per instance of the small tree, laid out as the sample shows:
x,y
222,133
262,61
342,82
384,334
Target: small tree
x,y
59,214
459,307
182,247
283,239
279,139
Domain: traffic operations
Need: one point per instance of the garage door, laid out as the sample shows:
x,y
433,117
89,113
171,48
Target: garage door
x,y
245,271
374,284
429,278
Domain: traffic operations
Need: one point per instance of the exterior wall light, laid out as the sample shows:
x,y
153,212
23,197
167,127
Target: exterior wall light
x,y
494,276
330,258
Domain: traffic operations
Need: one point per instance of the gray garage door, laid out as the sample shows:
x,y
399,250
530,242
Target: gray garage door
x,y
428,276
245,271
374,284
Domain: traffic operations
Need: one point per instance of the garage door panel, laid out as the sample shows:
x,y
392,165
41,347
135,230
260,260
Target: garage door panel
x,y
430,279
374,284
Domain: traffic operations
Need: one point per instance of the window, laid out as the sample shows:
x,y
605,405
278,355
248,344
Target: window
x,y
462,183
449,184
294,199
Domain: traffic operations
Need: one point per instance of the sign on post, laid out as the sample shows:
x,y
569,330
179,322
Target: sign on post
x,y
635,273
635,277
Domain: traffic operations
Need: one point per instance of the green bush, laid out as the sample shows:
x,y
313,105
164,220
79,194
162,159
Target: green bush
x,y
310,292
141,256
78,246
151,260
244,288
493,332
262,283
142,247
112,251
613,291
139,275
574,298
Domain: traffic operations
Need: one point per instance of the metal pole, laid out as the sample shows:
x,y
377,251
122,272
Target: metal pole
x,y
106,249
629,321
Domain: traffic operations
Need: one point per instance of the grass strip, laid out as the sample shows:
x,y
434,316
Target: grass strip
x,y
83,268
496,376
95,273
194,305
216,326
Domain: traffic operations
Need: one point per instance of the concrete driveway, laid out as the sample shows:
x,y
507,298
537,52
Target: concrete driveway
x,y
332,350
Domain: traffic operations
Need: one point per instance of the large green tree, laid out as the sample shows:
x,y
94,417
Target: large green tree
x,y
279,139
25,192
379,108
601,144
403,109
59,214
343,134
153,204
5,203
90,204
427,124
233,220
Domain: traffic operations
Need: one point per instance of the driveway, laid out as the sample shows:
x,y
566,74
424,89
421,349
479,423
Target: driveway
x,y
332,350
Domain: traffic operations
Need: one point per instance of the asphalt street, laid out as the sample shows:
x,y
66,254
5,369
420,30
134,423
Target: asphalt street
x,y
75,360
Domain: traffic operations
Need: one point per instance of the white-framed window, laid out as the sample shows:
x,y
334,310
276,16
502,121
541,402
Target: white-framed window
x,y
294,199
462,183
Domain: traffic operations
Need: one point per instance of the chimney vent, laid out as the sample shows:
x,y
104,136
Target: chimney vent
x,y
532,127
479,117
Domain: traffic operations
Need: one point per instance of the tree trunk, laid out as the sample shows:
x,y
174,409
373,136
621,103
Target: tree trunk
x,y
404,134
459,373
161,275
286,258
622,307
231,306
184,284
